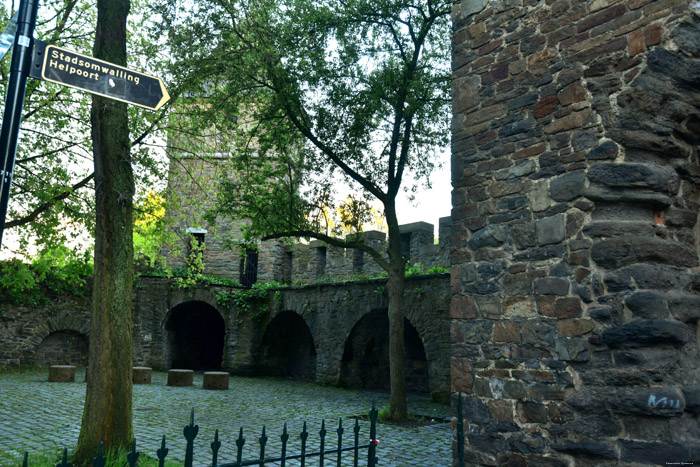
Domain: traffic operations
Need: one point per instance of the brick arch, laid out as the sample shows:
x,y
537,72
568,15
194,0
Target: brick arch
x,y
365,359
63,347
194,336
288,347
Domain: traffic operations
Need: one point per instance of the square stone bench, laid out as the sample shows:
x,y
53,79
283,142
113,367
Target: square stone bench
x,y
180,377
61,373
141,374
215,380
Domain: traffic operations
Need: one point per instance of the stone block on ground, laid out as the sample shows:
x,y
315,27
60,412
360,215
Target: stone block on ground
x,y
215,380
141,375
180,377
61,373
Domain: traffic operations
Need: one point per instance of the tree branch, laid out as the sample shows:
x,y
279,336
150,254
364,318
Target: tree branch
x,y
48,204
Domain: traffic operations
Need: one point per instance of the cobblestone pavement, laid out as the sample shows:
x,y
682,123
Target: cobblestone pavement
x,y
38,416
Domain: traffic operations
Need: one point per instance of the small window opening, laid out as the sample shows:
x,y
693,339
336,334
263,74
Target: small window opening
x,y
249,268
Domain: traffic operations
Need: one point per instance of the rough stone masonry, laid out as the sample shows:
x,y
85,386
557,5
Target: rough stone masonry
x,y
575,280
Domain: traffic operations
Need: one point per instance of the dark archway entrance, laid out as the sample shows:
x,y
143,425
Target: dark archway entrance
x,y
194,337
287,348
63,348
366,356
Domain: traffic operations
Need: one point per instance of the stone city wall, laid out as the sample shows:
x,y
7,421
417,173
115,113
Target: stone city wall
x,y
52,333
575,277
191,192
58,333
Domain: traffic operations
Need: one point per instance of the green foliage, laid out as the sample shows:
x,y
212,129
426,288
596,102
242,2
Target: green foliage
x,y
191,274
50,459
150,232
437,270
250,300
417,269
57,271
298,114
52,197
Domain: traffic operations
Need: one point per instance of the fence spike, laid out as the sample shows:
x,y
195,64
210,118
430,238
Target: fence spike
x,y
64,462
304,435
284,438
371,452
100,460
322,434
263,442
215,448
356,451
190,431
133,456
239,444
340,431
161,453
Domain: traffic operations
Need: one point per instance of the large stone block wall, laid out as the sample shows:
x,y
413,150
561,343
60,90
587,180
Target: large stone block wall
x,y
575,284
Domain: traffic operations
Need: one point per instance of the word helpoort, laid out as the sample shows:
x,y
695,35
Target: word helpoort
x,y
75,65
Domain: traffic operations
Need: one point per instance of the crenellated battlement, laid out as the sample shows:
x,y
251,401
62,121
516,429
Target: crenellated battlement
x,y
316,260
191,187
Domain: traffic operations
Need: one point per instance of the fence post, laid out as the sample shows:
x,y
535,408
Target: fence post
x,y
100,460
190,433
133,456
372,450
215,446
161,453
460,431
340,441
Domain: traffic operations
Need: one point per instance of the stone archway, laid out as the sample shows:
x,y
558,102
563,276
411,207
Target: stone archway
x,y
194,337
63,347
365,362
287,348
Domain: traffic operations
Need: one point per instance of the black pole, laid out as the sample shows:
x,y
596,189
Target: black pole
x,y
16,86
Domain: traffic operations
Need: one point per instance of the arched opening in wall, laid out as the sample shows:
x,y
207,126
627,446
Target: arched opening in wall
x,y
365,361
194,337
287,348
63,348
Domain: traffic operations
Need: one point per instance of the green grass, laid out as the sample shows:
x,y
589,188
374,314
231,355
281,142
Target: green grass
x,y
50,459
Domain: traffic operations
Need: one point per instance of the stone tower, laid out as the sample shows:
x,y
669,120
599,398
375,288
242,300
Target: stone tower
x,y
575,280
192,185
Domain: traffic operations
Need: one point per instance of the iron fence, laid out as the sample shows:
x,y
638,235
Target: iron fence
x,y
190,432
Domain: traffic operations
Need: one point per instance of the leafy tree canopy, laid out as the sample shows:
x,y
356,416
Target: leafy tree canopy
x,y
312,93
52,197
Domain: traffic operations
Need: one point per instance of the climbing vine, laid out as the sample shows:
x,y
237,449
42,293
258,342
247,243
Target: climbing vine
x,y
250,301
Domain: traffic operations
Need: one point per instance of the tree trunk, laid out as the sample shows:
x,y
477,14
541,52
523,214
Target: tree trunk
x,y
395,287
107,415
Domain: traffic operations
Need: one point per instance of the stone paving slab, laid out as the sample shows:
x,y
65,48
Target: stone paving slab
x,y
40,416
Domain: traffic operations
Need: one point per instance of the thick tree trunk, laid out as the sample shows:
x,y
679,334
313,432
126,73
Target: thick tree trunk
x,y
397,367
107,415
398,409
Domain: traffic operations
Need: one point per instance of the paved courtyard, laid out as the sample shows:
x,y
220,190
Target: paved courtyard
x,y
38,416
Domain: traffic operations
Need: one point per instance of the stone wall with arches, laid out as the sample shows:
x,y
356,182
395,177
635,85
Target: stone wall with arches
x,y
56,332
300,332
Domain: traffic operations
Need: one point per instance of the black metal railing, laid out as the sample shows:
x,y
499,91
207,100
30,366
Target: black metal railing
x,y
190,432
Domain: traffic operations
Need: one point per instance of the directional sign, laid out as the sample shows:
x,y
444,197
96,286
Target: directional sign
x,y
75,70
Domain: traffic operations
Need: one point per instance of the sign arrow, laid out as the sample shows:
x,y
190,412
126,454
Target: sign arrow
x,y
58,65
